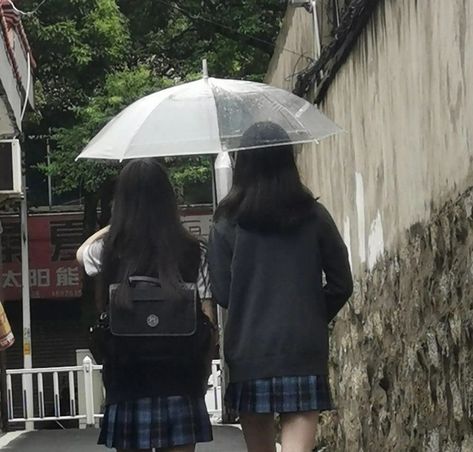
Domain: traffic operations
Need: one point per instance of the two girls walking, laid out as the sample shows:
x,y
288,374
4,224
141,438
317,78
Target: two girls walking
x,y
269,247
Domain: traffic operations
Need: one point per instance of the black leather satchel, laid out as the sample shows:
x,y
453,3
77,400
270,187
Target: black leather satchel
x,y
151,328
150,311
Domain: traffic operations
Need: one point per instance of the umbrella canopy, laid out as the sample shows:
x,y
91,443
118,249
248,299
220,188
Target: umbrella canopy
x,y
207,116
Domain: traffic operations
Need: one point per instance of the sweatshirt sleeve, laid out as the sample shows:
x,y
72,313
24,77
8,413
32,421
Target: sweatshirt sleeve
x,y
335,264
220,261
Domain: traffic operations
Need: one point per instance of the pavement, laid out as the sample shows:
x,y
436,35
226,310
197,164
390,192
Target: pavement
x,y
226,439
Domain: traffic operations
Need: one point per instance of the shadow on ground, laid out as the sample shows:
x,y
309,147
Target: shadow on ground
x,y
226,439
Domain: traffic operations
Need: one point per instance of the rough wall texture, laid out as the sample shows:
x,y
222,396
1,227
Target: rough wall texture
x,y
402,351
405,98
399,187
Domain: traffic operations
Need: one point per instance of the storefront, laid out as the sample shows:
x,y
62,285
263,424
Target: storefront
x,y
60,316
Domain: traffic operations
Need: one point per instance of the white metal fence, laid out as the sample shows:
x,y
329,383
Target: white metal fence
x,y
78,382
213,398
74,374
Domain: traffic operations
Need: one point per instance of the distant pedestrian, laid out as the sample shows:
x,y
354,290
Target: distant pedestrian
x,y
270,246
155,385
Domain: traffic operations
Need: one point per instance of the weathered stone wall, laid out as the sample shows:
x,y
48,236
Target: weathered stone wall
x,y
402,351
399,184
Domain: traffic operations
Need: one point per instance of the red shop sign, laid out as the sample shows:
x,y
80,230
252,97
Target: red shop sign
x,y
53,241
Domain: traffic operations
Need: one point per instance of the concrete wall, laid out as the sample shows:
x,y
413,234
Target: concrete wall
x,y
405,98
10,98
399,186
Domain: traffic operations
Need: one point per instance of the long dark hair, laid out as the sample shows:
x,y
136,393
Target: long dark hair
x,y
146,237
267,193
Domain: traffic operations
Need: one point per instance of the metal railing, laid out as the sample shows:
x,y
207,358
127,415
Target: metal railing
x,y
86,370
80,380
213,398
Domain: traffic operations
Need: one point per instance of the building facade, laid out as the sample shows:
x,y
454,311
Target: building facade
x,y
397,76
16,94
16,67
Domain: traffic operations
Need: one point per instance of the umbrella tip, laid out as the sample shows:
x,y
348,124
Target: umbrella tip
x,y
205,72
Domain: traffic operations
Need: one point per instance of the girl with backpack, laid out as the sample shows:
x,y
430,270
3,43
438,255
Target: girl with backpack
x,y
269,247
155,385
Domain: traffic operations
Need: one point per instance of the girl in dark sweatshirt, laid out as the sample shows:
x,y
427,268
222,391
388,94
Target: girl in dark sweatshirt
x,y
270,246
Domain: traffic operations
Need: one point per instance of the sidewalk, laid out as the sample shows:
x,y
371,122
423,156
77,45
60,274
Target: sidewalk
x,y
226,439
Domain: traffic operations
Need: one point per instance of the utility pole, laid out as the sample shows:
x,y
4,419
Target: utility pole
x,y
311,7
48,159
3,359
222,182
25,299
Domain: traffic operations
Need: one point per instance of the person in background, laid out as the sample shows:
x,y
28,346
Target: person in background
x,y
269,248
150,405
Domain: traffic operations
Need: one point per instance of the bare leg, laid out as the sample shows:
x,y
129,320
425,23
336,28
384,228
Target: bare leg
x,y
259,432
298,431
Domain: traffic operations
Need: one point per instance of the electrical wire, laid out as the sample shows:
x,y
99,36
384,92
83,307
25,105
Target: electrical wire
x,y
188,14
295,74
233,30
23,13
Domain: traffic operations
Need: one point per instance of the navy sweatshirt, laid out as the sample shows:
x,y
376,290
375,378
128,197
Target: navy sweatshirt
x,y
272,287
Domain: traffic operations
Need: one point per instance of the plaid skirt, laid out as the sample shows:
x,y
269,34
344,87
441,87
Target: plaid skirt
x,y
280,395
155,422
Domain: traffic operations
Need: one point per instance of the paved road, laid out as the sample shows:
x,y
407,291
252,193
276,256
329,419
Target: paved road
x,y
226,439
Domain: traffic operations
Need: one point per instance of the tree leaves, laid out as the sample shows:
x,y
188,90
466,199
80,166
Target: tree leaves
x,y
120,89
95,57
76,43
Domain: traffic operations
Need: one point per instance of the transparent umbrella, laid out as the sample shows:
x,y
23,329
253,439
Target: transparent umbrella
x,y
207,116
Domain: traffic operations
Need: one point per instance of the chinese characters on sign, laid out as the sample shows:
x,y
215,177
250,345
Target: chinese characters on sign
x,y
53,241
65,237
11,242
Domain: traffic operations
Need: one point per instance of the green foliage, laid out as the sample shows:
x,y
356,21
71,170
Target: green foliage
x,y
188,172
120,89
76,43
236,37
95,57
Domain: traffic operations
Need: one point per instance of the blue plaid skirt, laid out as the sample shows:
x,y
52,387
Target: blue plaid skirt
x,y
280,395
155,422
